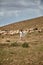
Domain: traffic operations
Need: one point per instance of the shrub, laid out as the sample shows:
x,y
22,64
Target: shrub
x,y
7,40
25,45
14,44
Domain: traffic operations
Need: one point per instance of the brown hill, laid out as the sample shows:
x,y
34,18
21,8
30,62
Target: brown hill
x,y
36,22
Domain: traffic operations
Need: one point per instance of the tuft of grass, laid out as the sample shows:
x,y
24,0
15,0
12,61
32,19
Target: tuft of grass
x,y
4,44
25,45
14,44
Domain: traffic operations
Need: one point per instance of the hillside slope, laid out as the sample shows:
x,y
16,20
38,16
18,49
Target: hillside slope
x,y
24,24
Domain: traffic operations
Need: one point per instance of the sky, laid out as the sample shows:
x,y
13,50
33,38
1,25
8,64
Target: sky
x,y
17,10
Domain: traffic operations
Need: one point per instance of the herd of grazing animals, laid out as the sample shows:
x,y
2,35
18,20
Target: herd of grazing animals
x,y
12,32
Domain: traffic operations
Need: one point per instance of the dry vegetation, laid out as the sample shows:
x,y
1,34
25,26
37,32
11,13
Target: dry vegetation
x,y
24,24
18,55
28,51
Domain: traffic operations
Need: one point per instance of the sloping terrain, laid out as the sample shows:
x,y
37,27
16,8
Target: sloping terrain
x,y
37,22
13,51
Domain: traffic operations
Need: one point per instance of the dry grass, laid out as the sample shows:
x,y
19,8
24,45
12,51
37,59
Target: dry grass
x,y
15,54
18,55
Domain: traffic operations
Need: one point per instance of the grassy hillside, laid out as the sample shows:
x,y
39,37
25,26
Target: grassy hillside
x,y
25,24
28,51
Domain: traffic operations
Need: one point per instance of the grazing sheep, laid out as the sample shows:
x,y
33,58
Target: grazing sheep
x,y
39,30
31,30
11,32
2,32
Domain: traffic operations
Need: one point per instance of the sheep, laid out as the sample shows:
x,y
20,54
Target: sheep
x,y
31,30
